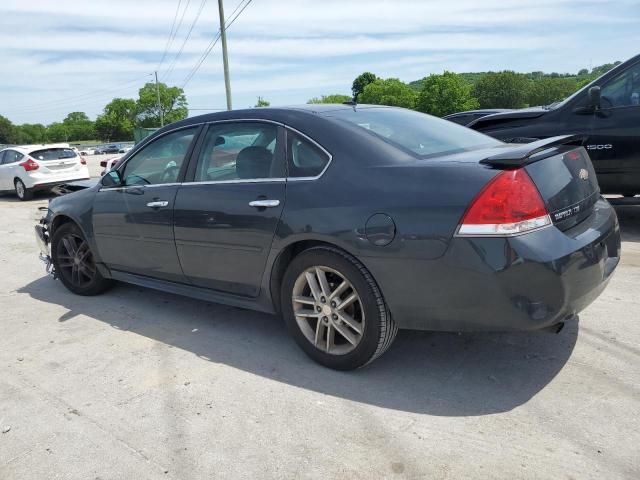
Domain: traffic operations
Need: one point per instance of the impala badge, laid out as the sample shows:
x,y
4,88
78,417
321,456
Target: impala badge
x,y
583,174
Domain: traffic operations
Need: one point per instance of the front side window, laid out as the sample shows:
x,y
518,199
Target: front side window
x,y
304,159
160,161
623,90
416,133
239,151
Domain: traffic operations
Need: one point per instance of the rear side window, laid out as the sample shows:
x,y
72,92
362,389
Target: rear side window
x,y
53,154
304,159
416,133
11,156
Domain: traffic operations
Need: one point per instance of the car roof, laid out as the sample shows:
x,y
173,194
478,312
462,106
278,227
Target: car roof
x,y
273,113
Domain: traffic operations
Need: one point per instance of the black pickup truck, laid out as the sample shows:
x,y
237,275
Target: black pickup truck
x,y
606,112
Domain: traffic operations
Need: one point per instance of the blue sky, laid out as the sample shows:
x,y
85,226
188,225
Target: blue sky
x,y
59,56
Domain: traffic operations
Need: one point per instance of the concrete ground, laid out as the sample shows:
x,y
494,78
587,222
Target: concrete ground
x,y
145,385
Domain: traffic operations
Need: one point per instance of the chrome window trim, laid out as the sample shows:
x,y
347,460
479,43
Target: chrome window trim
x,y
239,180
152,185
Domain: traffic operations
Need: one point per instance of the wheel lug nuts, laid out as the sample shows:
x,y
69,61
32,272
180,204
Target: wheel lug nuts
x,y
334,316
318,309
323,300
333,304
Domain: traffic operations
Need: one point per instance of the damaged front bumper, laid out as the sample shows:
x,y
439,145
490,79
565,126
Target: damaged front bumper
x,y
44,244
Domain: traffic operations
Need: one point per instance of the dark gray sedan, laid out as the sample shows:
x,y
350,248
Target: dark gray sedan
x,y
349,221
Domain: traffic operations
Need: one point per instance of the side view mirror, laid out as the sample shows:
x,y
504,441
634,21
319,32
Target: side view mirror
x,y
593,97
111,179
593,102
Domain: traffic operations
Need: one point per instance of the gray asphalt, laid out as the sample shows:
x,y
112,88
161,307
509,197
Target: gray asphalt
x,y
145,385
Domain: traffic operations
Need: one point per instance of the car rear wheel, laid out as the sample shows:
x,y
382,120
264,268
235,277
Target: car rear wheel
x,y
74,262
22,192
335,310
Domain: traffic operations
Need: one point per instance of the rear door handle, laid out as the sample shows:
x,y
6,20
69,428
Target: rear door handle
x,y
157,204
264,203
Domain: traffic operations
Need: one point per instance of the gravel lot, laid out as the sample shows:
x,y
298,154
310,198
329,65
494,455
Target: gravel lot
x,y
145,385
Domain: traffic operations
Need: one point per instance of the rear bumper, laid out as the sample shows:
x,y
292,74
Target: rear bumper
x,y
527,282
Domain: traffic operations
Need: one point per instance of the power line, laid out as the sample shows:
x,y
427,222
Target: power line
x,y
186,39
59,102
212,44
166,47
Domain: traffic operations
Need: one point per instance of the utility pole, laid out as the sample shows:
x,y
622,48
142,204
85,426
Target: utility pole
x,y
225,59
159,106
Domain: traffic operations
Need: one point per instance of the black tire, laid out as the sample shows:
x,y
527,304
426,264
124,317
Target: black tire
x,y
22,192
379,329
86,282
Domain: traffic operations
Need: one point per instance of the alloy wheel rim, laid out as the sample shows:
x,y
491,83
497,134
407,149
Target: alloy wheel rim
x,y
20,189
75,260
328,310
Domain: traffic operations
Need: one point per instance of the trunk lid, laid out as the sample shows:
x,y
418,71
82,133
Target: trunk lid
x,y
568,185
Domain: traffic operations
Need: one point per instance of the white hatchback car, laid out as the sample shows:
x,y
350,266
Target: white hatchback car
x,y
28,168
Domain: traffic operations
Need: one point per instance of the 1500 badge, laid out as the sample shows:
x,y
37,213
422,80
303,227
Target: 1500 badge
x,y
566,213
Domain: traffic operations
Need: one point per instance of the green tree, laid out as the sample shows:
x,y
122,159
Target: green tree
x,y
57,132
29,133
262,102
79,126
333,98
445,94
173,104
502,90
549,90
7,131
117,120
362,81
389,92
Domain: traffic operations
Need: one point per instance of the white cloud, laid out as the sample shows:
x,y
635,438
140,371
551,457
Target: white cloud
x,y
288,50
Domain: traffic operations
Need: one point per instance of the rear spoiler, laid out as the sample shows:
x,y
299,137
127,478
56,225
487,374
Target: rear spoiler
x,y
520,155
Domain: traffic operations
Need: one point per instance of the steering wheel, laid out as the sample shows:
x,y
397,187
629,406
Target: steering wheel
x,y
170,174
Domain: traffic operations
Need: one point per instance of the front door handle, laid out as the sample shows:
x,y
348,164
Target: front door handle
x,y
264,203
157,204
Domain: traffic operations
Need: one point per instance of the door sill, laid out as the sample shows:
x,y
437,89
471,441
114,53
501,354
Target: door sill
x,y
191,291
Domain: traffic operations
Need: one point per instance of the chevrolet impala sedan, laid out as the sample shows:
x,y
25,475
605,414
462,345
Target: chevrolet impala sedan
x,y
349,221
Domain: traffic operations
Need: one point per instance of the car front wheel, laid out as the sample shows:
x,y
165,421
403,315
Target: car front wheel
x,y
335,310
74,262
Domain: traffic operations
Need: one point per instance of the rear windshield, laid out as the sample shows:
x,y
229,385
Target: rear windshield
x,y
414,132
53,154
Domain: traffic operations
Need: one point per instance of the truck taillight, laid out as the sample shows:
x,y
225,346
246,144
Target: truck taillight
x,y
29,165
509,204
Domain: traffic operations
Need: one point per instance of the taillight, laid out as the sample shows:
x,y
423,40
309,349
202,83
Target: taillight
x,y
29,165
509,204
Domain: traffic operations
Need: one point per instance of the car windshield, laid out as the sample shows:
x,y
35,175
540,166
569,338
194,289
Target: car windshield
x,y
416,133
53,154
